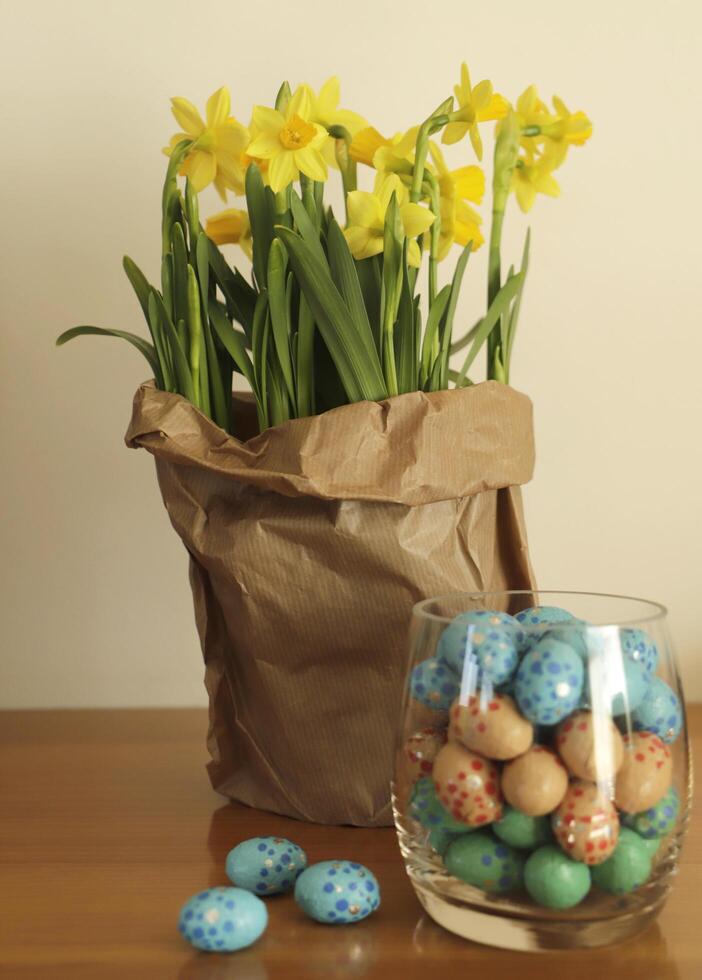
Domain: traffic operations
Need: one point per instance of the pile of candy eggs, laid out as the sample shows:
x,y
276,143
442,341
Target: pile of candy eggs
x,y
548,766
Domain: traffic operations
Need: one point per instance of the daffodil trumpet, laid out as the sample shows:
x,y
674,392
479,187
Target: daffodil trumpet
x,y
334,313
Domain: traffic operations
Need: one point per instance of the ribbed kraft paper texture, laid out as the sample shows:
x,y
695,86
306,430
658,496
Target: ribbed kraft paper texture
x,y
309,545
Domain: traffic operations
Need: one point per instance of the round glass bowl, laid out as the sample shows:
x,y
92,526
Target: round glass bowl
x,y
542,780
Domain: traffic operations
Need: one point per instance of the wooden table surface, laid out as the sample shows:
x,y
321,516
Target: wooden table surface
x,y
108,823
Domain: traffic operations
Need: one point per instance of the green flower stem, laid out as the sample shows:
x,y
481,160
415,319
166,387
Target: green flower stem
x,y
195,325
506,152
171,195
433,193
347,166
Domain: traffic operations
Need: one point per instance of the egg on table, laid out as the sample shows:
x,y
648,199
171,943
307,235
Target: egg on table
x,y
337,892
645,774
467,785
586,823
265,865
590,746
493,728
536,782
223,920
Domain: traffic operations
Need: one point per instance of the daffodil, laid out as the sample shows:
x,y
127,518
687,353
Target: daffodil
x,y
460,223
559,129
326,111
475,104
533,175
567,127
216,144
230,227
290,142
375,150
366,222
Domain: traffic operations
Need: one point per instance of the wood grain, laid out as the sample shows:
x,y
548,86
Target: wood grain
x,y
108,823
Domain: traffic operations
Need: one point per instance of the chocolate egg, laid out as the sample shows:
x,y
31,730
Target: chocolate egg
x,y
420,750
549,682
554,880
535,782
467,785
491,637
659,711
658,820
627,868
427,809
548,616
520,831
591,749
638,645
646,772
494,728
586,824
433,684
484,862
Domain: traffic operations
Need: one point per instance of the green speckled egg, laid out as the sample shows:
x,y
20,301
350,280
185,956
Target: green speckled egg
x,y
522,831
480,860
627,868
555,880
427,809
658,820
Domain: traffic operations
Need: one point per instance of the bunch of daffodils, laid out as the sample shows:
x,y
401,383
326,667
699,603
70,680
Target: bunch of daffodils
x,y
337,309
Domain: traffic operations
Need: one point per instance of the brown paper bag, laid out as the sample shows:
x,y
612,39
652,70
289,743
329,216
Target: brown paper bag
x,y
309,545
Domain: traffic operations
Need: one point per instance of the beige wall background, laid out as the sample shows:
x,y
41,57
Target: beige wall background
x,y
96,602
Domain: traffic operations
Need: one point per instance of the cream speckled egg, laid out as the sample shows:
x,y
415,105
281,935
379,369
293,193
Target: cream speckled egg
x,y
591,749
645,774
420,750
586,824
467,785
494,728
535,782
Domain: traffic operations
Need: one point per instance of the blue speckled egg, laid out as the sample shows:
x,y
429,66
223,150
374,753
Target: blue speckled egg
x,y
575,636
659,711
549,682
658,820
638,645
221,920
337,892
492,637
535,616
265,865
427,809
622,688
434,684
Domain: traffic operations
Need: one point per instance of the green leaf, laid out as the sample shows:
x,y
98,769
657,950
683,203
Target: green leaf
x,y
180,273
447,321
430,346
499,305
140,284
239,296
220,403
233,342
516,307
304,358
306,227
260,202
192,216
202,257
405,336
458,345
143,346
167,282
280,321
259,353
368,272
195,333
393,261
181,369
345,278
359,372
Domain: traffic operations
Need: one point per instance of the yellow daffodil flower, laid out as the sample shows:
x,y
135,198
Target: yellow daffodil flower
x,y
534,175
460,223
375,150
326,111
530,110
366,224
217,143
290,142
230,227
567,127
559,129
476,104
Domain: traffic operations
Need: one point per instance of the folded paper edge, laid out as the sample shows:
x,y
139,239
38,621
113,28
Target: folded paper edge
x,y
412,449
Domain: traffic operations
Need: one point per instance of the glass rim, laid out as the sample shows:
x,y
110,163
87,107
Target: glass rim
x,y
658,610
